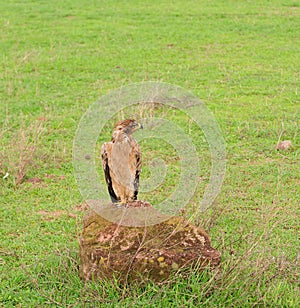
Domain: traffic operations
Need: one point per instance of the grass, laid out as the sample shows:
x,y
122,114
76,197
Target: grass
x,y
241,58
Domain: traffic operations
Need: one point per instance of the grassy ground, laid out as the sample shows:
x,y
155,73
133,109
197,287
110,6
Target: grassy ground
x,y
241,58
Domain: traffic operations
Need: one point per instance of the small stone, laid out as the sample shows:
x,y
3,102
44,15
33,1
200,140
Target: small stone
x,y
283,145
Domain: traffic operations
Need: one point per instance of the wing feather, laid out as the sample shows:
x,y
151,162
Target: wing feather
x,y
138,168
106,153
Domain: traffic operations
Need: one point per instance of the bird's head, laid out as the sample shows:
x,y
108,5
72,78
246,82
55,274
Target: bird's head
x,y
127,126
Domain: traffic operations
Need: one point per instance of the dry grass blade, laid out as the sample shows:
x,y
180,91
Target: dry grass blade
x,y
21,152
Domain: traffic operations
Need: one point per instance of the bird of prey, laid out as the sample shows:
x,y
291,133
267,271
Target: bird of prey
x,y
122,162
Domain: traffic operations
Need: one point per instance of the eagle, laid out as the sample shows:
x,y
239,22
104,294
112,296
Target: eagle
x,y
122,162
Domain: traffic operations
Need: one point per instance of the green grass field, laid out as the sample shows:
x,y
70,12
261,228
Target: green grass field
x,y
240,57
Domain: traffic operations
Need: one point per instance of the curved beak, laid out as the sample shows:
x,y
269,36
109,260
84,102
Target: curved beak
x,y
141,126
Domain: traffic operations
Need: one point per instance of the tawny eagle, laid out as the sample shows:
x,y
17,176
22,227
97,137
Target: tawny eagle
x,y
122,162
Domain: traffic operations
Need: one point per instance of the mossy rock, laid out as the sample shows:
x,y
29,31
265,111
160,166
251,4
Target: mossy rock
x,y
109,250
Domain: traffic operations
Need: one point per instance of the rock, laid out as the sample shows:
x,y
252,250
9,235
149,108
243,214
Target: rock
x,y
109,250
283,145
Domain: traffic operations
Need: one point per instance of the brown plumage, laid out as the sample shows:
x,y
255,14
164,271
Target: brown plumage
x,y
122,162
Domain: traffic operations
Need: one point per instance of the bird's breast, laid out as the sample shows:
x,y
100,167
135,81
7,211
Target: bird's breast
x,y
121,162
